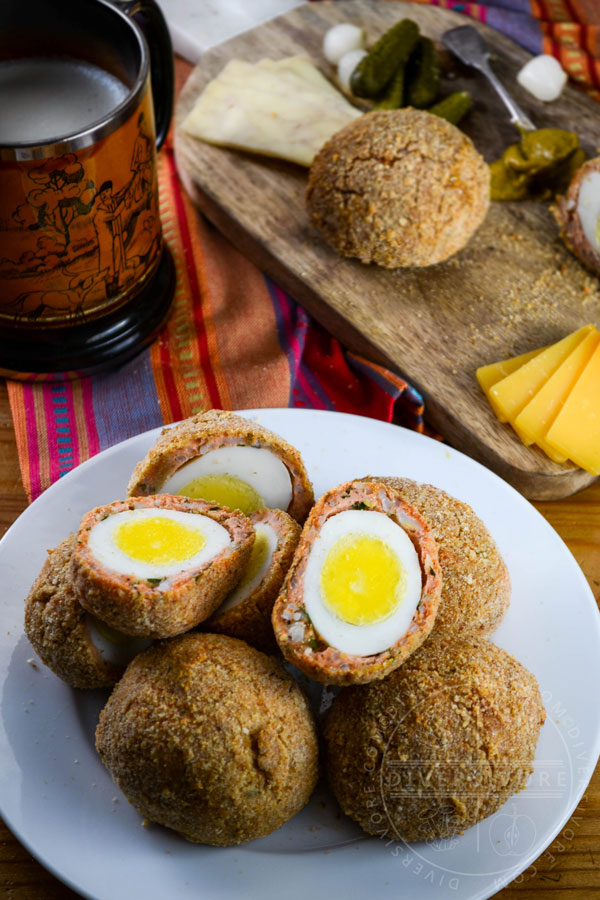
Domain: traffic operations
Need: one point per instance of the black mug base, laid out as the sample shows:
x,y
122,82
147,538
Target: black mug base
x,y
105,342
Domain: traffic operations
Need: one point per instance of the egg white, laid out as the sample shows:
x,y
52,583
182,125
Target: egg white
x,y
118,651
257,466
588,207
361,640
102,543
240,593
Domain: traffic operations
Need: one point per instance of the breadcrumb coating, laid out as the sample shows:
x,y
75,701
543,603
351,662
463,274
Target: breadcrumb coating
x,y
398,188
206,431
437,746
475,580
210,737
55,623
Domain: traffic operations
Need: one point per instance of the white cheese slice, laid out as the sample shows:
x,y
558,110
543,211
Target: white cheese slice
x,y
302,68
273,110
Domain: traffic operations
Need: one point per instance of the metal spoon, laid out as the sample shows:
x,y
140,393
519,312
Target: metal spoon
x,y
467,44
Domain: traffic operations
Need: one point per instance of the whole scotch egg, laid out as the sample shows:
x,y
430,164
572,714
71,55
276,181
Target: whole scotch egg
x,y
224,458
156,566
363,589
398,188
439,745
211,738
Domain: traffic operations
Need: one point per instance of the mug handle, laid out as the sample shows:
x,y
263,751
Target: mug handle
x,y
147,14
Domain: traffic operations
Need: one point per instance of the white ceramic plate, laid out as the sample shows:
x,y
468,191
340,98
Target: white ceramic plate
x,y
61,803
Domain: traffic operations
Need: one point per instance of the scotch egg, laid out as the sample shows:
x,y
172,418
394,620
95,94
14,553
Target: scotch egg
x,y
156,566
363,589
83,651
221,457
211,738
439,745
246,611
578,215
113,646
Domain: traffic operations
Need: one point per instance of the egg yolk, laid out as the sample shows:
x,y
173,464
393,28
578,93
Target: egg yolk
x,y
226,490
362,580
260,550
158,540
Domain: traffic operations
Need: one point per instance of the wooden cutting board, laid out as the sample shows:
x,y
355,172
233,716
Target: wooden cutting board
x,y
513,288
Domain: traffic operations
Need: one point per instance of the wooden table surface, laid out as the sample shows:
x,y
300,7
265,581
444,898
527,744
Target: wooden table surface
x,y
570,867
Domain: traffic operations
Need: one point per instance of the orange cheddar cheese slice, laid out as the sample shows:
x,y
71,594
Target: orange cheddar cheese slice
x,y
535,419
487,376
576,430
510,395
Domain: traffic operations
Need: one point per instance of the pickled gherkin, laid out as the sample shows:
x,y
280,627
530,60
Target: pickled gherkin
x,y
393,96
422,75
507,183
538,167
453,107
547,146
373,74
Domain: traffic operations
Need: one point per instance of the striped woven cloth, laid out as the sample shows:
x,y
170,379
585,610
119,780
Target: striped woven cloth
x,y
235,340
566,29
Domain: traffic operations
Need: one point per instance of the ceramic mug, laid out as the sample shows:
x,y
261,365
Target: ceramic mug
x,y
85,278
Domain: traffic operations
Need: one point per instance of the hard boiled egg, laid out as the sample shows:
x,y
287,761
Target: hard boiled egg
x,y
363,588
265,545
246,611
156,543
113,646
244,478
362,582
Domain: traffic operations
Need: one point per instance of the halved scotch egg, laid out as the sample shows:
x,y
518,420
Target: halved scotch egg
x,y
578,215
79,648
363,589
156,566
232,461
246,611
